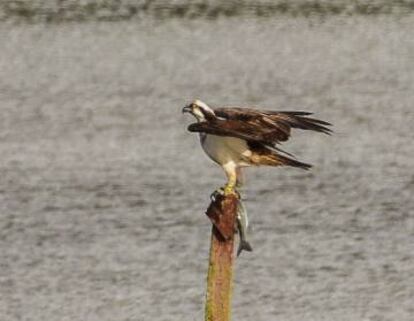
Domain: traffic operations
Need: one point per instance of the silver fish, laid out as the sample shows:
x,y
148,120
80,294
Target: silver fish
x,y
242,225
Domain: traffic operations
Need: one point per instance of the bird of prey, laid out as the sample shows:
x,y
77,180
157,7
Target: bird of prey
x,y
235,137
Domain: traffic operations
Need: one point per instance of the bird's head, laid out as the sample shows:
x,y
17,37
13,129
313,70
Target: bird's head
x,y
199,110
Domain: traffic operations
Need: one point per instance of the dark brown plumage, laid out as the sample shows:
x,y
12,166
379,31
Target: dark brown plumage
x,y
267,127
237,137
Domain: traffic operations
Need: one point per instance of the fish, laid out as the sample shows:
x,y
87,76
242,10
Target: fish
x,y
242,225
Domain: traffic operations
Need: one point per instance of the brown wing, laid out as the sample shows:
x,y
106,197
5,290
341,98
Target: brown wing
x,y
235,128
267,127
278,122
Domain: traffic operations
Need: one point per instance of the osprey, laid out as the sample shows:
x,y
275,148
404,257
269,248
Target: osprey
x,y
235,137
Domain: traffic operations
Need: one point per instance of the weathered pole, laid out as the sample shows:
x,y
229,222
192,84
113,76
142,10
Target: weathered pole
x,y
222,213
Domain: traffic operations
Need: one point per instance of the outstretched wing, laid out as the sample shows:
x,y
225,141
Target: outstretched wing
x,y
281,121
234,128
267,127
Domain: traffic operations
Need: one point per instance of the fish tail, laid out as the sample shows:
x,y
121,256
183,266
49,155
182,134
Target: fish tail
x,y
244,245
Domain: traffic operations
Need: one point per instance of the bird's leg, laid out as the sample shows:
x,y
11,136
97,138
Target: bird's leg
x,y
230,187
231,172
240,178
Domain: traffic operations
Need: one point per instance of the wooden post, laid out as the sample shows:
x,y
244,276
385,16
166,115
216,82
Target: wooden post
x,y
222,213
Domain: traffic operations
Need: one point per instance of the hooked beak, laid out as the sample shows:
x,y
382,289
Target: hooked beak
x,y
186,109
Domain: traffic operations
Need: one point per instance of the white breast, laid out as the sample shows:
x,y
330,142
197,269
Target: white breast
x,y
225,149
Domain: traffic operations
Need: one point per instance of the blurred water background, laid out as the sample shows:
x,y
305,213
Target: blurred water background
x,y
102,190
81,10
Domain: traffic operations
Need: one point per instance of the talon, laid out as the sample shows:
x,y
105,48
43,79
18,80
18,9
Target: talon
x,y
229,189
217,192
237,194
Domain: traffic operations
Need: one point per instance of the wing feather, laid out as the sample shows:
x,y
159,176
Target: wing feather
x,y
277,124
264,126
238,129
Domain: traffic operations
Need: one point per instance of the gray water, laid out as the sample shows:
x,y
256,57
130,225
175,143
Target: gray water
x,y
102,189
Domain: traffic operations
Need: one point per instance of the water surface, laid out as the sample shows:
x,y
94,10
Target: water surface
x,y
103,191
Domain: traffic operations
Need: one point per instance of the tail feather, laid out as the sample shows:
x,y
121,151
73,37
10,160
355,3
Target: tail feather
x,y
287,161
265,156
